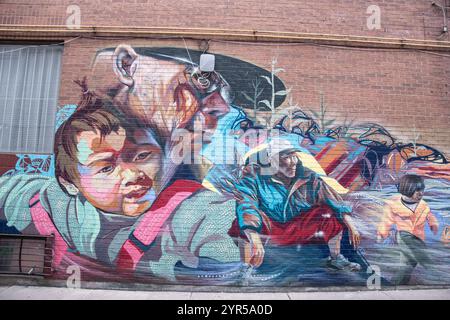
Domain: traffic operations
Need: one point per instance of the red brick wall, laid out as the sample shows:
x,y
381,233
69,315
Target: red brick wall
x,y
414,19
397,89
375,85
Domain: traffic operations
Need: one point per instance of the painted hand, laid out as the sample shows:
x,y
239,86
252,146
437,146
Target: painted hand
x,y
379,238
434,228
355,237
257,250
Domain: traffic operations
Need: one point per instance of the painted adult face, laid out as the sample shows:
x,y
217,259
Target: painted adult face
x,y
164,95
149,89
119,174
288,164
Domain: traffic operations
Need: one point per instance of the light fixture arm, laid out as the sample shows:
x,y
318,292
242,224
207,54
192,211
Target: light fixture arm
x,y
444,9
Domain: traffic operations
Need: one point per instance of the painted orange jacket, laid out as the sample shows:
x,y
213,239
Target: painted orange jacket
x,y
396,213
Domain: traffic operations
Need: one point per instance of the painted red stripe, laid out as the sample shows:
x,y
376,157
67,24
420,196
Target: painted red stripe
x,y
323,152
350,176
329,169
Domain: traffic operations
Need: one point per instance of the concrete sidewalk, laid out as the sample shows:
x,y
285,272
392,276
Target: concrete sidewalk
x,y
58,293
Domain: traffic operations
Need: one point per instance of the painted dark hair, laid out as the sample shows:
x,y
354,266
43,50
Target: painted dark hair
x,y
409,184
92,114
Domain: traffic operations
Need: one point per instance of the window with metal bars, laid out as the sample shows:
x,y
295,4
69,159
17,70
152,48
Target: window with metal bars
x,y
26,255
29,77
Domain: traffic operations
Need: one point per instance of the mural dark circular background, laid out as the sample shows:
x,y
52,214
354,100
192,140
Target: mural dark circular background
x,y
241,75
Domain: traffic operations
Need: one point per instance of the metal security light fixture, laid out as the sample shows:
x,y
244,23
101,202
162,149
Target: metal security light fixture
x,y
207,61
444,9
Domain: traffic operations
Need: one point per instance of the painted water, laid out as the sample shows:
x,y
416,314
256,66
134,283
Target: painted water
x,y
386,255
307,265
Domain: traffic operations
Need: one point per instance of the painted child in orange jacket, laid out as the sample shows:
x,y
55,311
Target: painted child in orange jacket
x,y
409,213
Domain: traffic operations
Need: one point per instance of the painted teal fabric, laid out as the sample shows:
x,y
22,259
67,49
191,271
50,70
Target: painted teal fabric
x,y
265,193
197,228
79,229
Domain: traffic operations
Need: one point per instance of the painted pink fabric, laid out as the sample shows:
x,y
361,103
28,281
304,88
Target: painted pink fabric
x,y
44,225
152,222
147,231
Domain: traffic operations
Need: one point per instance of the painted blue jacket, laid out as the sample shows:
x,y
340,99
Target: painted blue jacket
x,y
263,194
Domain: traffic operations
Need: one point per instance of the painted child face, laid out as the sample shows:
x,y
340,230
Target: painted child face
x,y
417,196
119,174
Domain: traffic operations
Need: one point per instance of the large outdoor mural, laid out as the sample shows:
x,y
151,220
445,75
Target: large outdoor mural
x,y
168,174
